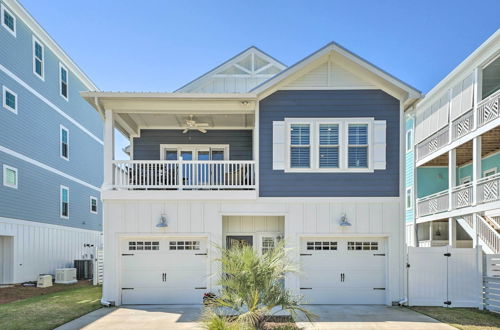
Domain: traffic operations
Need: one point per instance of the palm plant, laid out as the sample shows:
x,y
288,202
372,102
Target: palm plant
x,y
252,287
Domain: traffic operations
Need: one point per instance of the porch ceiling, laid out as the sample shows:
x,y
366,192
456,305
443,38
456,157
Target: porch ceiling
x,y
489,145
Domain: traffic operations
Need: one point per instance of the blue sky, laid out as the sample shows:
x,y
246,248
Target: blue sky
x,y
160,45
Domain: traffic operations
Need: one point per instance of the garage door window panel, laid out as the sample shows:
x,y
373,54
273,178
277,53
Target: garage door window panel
x,y
362,246
321,246
184,245
144,246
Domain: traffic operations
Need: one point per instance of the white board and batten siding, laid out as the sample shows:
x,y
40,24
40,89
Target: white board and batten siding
x,y
35,248
371,218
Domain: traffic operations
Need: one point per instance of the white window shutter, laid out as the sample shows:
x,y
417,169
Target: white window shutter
x,y
278,145
379,144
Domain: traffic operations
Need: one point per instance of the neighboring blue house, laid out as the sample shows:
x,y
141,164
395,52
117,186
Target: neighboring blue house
x,y
50,153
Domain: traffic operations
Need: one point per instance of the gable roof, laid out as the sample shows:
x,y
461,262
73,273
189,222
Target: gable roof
x,y
199,81
334,48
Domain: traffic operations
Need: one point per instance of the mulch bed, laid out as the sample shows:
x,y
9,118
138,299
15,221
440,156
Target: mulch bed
x,y
19,292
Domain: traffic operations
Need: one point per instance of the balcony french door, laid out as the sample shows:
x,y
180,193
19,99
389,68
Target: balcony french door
x,y
196,172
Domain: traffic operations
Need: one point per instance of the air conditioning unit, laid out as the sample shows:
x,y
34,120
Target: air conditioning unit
x,y
66,276
44,281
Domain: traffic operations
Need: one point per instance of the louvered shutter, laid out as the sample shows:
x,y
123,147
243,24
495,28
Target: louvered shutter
x,y
278,145
379,144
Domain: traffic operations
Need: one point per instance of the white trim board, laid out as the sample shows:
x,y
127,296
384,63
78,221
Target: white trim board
x,y
50,104
40,224
46,167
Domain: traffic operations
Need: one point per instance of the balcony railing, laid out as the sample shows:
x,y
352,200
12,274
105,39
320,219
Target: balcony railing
x,y
184,175
462,195
463,125
488,189
488,109
433,204
433,143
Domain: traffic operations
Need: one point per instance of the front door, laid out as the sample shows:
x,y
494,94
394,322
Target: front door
x,y
238,240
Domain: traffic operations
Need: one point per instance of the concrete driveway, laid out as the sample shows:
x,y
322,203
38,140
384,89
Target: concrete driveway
x,y
185,317
370,317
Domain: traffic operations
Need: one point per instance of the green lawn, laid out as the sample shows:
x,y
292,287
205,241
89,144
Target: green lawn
x,y
50,310
463,318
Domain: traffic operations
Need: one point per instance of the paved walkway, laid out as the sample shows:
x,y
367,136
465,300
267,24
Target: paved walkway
x,y
185,317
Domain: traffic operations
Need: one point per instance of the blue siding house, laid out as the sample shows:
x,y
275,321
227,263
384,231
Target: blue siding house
x,y
255,152
50,153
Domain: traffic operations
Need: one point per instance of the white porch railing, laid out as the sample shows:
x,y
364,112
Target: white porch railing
x,y
488,109
463,125
488,189
433,143
462,195
179,174
488,234
432,204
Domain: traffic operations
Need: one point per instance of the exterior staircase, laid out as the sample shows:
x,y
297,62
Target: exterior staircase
x,y
487,230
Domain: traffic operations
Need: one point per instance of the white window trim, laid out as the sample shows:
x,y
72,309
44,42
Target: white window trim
x,y
3,10
4,99
61,128
409,191
464,179
5,168
194,148
343,141
96,205
493,169
42,77
61,67
61,188
410,131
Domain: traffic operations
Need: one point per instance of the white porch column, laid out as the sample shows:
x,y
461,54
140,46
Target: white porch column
x,y
475,241
452,232
452,176
476,167
109,149
431,232
478,88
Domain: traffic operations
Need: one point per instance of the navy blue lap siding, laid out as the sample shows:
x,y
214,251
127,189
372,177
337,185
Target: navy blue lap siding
x,y
329,104
147,146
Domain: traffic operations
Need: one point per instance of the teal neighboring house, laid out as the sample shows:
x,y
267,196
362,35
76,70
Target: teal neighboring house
x,y
409,174
50,153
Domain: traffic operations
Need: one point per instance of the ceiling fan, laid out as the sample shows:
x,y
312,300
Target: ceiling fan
x,y
191,124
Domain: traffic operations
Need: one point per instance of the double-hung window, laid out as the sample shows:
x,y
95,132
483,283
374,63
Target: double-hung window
x,y
409,140
64,143
409,198
9,176
329,146
8,20
38,58
64,202
93,204
9,99
357,146
300,147
63,81
333,144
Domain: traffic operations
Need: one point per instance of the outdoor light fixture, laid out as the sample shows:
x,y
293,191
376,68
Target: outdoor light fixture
x,y
343,221
163,221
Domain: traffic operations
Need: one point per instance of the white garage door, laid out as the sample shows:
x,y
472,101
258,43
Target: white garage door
x,y
343,270
164,270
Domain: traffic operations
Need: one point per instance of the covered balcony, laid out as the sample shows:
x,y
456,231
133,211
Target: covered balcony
x,y
181,145
471,106
465,177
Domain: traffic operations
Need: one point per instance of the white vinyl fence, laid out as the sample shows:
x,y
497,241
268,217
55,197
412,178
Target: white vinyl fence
x,y
445,276
98,267
491,283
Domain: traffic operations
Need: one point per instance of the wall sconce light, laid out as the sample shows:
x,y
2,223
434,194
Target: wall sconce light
x,y
343,221
163,221
245,103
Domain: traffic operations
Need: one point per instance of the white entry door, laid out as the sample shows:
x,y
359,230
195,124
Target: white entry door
x,y
164,270
343,270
